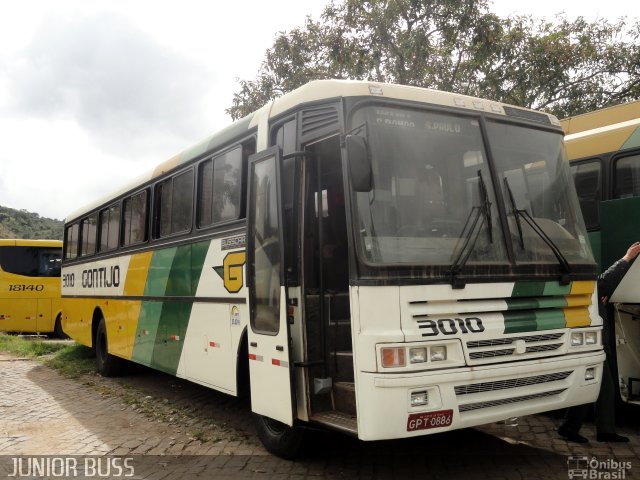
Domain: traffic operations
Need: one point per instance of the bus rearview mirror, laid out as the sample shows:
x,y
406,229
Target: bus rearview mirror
x,y
359,165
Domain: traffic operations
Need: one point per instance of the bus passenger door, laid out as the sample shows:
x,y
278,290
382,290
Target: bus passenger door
x,y
268,333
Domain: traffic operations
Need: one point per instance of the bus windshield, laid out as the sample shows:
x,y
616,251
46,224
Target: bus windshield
x,y
433,194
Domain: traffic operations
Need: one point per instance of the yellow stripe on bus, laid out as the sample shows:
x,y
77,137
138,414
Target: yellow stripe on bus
x,y
122,326
137,274
583,287
578,300
577,317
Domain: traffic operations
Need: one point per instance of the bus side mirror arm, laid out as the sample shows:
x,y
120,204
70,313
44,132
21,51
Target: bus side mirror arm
x,y
359,164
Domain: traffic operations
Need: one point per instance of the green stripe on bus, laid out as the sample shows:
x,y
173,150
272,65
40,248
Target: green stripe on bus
x,y
162,326
172,328
519,321
554,288
528,289
535,303
179,282
146,332
633,141
550,319
521,303
159,272
552,302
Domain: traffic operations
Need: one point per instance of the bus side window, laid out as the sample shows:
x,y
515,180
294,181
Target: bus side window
x,y
627,177
109,227
88,234
587,179
220,188
135,219
71,241
174,204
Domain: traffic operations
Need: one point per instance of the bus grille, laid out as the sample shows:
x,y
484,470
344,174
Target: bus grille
x,y
504,401
481,349
511,383
510,340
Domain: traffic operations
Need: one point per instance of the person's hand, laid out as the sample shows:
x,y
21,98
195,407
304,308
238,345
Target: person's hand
x,y
632,252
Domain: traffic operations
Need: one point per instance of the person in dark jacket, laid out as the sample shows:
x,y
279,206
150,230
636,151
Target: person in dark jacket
x,y
605,404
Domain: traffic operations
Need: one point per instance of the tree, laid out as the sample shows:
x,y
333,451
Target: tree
x,y
565,67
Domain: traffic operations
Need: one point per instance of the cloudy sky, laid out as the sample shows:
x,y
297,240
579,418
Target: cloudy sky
x,y
94,93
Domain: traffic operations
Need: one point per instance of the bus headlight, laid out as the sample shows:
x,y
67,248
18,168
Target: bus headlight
x,y
393,357
438,353
417,355
419,398
577,339
591,338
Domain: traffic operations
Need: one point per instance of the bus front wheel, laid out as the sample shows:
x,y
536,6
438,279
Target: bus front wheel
x,y
107,365
279,439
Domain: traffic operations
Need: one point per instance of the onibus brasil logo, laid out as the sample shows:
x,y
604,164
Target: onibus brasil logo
x,y
594,468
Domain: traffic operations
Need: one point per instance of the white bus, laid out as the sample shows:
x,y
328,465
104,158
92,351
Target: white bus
x,y
383,260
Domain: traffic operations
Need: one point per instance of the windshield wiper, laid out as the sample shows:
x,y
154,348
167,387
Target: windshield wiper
x,y
477,212
486,205
517,214
514,211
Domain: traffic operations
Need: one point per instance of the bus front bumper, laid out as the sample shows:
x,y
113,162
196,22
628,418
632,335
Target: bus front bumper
x,y
470,396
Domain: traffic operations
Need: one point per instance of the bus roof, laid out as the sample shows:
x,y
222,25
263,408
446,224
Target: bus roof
x,y
313,92
18,242
602,131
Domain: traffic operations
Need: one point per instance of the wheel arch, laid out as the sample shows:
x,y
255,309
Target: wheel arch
x,y
243,383
95,321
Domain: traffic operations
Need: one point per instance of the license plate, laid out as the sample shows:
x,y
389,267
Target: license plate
x,y
425,420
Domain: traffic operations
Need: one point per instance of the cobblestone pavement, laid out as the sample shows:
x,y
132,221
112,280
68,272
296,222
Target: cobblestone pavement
x,y
176,429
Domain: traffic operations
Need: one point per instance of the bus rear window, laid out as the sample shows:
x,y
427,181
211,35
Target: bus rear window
x,y
31,261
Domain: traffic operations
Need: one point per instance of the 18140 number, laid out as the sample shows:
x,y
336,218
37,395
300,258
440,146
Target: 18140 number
x,y
17,287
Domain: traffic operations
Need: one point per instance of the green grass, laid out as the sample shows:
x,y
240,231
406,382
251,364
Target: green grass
x,y
28,346
73,361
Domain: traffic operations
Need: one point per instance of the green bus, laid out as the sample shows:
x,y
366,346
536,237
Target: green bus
x,y
603,148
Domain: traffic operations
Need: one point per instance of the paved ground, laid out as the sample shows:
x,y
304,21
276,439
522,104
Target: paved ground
x,y
175,429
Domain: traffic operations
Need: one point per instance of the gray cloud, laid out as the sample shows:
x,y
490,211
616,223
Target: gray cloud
x,y
126,91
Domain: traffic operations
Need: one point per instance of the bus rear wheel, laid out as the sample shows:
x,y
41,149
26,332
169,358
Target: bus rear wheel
x,y
279,439
107,365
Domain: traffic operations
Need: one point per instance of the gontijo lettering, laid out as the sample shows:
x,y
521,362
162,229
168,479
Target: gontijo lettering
x,y
101,277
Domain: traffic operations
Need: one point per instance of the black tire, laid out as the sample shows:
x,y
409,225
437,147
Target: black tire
x,y
243,383
279,439
57,329
107,365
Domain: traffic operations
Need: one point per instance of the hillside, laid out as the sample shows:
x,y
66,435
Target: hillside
x,y
23,224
